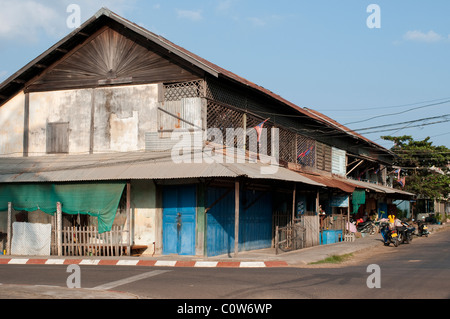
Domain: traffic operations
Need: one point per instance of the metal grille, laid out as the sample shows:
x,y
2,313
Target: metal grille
x,y
290,237
306,151
225,95
222,118
178,91
287,146
265,145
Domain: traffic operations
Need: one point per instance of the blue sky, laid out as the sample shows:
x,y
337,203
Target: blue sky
x,y
317,54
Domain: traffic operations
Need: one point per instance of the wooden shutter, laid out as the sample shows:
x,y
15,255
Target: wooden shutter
x,y
324,157
57,138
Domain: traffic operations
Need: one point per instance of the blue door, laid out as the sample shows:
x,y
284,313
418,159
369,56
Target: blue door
x,y
220,222
179,210
255,221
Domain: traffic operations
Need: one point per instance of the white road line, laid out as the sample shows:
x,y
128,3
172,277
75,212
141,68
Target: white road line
x,y
54,262
127,262
206,264
130,280
89,262
18,261
166,263
252,264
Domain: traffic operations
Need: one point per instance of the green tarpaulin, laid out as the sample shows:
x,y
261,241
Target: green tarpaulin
x,y
358,199
100,200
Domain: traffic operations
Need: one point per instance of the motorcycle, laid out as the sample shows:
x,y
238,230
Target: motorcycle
x,y
390,235
367,227
405,233
422,229
410,230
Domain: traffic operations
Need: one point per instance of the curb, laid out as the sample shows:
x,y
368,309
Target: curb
x,y
147,263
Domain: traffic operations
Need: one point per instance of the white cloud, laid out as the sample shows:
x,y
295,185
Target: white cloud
x,y
224,5
419,36
190,14
257,22
27,19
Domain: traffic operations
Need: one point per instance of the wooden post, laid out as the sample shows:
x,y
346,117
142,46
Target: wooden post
x,y
9,229
348,217
129,217
276,240
294,192
59,227
236,218
318,202
244,125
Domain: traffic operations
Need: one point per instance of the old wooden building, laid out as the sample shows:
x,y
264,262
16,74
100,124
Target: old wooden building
x,y
116,138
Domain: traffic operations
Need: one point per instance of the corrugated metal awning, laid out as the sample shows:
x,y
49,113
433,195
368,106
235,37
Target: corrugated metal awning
x,y
332,182
133,165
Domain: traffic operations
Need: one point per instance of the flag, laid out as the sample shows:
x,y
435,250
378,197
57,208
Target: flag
x,y
305,152
401,180
259,129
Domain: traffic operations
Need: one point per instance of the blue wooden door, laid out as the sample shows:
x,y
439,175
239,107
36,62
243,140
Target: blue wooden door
x,y
220,222
179,210
255,221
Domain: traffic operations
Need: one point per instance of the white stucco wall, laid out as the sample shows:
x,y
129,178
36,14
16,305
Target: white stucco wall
x,y
11,126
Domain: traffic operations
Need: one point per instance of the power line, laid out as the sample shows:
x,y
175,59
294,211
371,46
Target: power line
x,y
384,107
402,123
398,113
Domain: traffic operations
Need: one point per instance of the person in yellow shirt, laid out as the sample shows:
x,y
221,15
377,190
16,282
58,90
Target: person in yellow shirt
x,y
391,218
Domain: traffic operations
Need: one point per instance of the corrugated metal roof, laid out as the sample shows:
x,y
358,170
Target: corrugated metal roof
x,y
332,182
15,83
133,165
380,189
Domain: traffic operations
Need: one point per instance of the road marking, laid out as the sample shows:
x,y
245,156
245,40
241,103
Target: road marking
x,y
206,264
89,262
166,263
18,261
54,262
127,262
130,280
252,264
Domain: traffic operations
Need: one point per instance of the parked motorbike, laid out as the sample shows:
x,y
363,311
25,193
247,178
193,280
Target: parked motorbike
x,y
410,230
367,227
422,229
405,233
390,235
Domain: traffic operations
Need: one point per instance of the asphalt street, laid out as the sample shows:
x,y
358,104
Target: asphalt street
x,y
419,270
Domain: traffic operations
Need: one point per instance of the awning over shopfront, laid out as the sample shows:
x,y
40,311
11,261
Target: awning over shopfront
x,y
134,166
393,192
96,199
332,182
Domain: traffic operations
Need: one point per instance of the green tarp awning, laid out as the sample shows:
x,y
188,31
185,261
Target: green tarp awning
x,y
96,199
358,199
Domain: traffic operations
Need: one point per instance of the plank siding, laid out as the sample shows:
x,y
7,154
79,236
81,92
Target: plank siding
x,y
324,157
109,58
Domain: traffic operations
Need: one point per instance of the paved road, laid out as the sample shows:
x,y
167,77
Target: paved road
x,y
419,270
